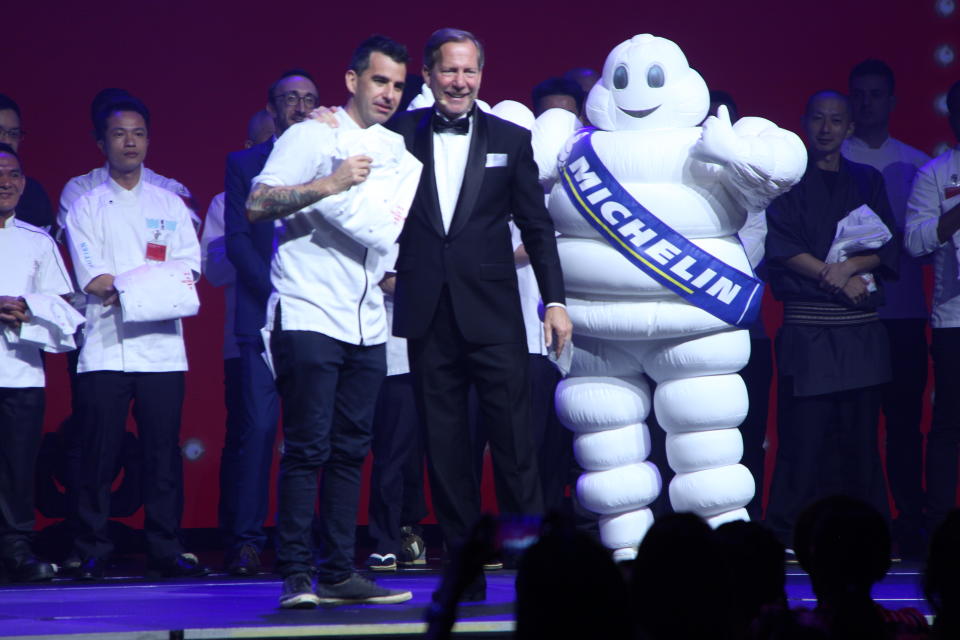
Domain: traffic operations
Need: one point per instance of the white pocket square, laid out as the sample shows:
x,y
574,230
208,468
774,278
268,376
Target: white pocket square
x,y
496,160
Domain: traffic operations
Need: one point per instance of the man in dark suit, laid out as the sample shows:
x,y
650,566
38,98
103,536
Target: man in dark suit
x,y
252,423
456,295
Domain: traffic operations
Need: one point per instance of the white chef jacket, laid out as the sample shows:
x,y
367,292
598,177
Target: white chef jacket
x,y
219,271
898,162
79,185
30,263
926,204
323,279
108,229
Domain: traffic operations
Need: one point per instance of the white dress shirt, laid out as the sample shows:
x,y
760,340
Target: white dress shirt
x,y
898,162
450,151
928,201
113,230
31,264
219,271
324,279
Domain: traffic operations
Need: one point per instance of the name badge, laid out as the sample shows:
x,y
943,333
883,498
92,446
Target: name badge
x,y
157,252
496,159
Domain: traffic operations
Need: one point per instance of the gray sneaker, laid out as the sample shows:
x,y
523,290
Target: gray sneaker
x,y
358,590
298,592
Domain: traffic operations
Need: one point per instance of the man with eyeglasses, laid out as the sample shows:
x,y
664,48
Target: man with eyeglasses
x,y
34,206
248,446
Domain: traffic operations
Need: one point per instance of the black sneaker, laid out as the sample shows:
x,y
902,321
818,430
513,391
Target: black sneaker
x,y
358,590
185,565
384,562
298,592
244,562
413,551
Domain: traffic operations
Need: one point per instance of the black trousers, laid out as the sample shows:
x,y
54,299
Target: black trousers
x,y
21,420
902,405
943,441
553,442
396,479
444,365
758,376
253,410
329,389
827,445
104,399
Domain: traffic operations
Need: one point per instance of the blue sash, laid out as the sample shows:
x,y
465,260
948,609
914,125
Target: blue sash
x,y
652,246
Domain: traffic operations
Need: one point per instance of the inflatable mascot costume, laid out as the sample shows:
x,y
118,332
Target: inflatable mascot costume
x,y
648,206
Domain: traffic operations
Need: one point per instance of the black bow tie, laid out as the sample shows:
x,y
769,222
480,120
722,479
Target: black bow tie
x,y
459,127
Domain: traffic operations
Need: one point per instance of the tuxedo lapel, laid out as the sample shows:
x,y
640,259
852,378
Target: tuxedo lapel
x,y
427,192
472,173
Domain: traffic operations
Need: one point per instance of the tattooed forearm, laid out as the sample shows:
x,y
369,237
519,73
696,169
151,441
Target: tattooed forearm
x,y
270,203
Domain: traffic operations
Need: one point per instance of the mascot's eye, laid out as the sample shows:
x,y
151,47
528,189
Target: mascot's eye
x,y
655,77
620,77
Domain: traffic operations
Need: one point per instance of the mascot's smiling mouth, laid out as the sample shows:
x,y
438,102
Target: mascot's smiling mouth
x,y
642,113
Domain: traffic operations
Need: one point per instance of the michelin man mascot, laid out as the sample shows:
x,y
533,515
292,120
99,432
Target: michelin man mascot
x,y
648,206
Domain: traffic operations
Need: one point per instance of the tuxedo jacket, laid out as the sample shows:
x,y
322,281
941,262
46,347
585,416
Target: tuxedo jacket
x,y
249,245
475,258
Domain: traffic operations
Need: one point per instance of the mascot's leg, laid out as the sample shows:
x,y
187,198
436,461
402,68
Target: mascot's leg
x,y
611,443
700,401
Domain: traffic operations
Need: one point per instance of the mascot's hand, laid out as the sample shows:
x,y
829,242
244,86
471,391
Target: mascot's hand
x,y
719,143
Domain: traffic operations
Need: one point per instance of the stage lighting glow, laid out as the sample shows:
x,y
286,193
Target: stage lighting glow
x,y
193,449
945,8
944,55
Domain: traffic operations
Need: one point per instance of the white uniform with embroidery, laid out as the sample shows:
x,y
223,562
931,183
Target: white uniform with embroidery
x,y
701,182
111,230
32,268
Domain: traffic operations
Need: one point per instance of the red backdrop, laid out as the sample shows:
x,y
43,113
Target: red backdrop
x,y
203,67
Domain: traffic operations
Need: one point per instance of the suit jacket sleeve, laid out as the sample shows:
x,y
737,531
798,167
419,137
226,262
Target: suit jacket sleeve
x,y
536,227
251,268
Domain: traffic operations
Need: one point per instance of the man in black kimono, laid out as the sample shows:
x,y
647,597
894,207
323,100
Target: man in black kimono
x,y
832,351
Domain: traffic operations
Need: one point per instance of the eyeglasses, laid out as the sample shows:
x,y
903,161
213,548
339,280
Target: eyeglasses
x,y
11,134
292,98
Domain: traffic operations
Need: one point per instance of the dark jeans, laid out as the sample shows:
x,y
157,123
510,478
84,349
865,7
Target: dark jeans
x,y
21,420
827,445
104,399
943,442
396,480
329,390
902,406
253,409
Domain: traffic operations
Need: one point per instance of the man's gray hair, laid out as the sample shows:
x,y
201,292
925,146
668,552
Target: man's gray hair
x,y
440,37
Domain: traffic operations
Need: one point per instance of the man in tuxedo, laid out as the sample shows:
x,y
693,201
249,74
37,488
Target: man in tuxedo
x,y
252,423
457,301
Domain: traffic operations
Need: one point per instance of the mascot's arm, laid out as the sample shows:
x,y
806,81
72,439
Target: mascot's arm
x,y
549,135
760,161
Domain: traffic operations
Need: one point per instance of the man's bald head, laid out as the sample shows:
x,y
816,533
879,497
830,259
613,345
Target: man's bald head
x,y
260,128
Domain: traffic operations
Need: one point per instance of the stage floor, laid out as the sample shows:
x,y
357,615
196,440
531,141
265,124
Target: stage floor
x,y
122,608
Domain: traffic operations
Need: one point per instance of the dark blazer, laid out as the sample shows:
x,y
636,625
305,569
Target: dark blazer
x,y
475,259
249,245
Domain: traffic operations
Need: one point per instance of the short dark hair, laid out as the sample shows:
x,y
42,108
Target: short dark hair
x,y
6,102
125,104
953,97
873,67
102,99
289,73
5,148
360,60
558,87
440,37
828,93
